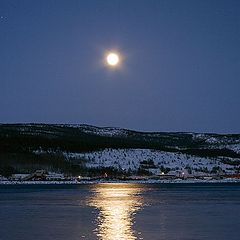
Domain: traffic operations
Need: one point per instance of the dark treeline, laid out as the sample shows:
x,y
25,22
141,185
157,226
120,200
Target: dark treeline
x,y
20,138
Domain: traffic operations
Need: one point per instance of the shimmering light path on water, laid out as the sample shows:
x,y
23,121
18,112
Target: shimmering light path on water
x,y
117,205
115,211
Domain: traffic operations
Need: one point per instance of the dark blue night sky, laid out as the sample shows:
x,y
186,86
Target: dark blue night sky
x,y
181,68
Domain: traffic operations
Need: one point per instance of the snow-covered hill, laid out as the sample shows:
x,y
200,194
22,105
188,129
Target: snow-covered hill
x,y
122,149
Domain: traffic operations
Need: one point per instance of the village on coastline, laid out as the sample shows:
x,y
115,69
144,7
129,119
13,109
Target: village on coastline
x,y
44,177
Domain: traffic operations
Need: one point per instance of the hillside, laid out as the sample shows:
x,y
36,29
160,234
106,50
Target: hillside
x,y
89,150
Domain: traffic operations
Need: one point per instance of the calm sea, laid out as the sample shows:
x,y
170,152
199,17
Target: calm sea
x,y
114,211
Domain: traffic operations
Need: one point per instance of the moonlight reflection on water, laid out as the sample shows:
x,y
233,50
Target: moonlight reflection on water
x,y
117,206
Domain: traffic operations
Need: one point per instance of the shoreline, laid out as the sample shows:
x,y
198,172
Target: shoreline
x,y
149,181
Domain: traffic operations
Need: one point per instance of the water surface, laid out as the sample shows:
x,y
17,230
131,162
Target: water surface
x,y
114,211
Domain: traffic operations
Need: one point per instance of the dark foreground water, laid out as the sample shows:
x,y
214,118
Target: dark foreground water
x,y
114,211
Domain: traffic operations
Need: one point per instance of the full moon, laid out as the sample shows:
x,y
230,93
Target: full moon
x,y
112,59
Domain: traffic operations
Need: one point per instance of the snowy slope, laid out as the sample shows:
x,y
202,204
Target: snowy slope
x,y
130,159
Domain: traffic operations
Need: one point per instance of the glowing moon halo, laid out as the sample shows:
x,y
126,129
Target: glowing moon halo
x,y
112,59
